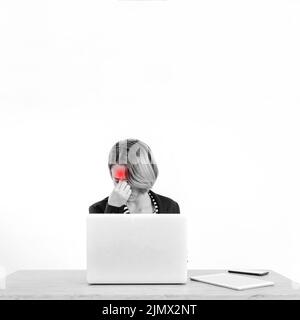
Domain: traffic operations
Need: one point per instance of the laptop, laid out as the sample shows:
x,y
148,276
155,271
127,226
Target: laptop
x,y
136,248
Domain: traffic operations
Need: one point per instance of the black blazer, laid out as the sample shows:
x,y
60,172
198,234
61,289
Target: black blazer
x,y
165,205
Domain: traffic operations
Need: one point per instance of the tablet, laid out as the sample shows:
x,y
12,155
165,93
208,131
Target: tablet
x,y
232,281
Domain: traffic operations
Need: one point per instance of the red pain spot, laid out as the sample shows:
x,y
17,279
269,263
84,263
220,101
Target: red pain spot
x,y
120,173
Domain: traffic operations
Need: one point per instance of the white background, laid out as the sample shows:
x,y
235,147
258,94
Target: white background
x,y
211,86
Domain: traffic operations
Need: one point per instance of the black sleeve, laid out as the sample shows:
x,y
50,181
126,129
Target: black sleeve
x,y
113,209
176,208
93,209
105,208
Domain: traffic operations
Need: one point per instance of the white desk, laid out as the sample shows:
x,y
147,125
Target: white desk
x,y
71,284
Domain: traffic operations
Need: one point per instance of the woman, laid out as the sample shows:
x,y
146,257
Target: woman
x,y
134,171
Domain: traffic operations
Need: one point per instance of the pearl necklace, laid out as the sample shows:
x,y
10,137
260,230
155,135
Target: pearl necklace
x,y
155,211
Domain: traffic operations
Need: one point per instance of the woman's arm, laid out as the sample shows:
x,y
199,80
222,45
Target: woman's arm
x,y
176,208
104,207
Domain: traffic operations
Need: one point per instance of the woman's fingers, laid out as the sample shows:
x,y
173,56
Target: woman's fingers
x,y
117,186
127,189
121,185
120,194
127,186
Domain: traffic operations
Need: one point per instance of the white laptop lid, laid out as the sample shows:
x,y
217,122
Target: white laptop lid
x,y
136,248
